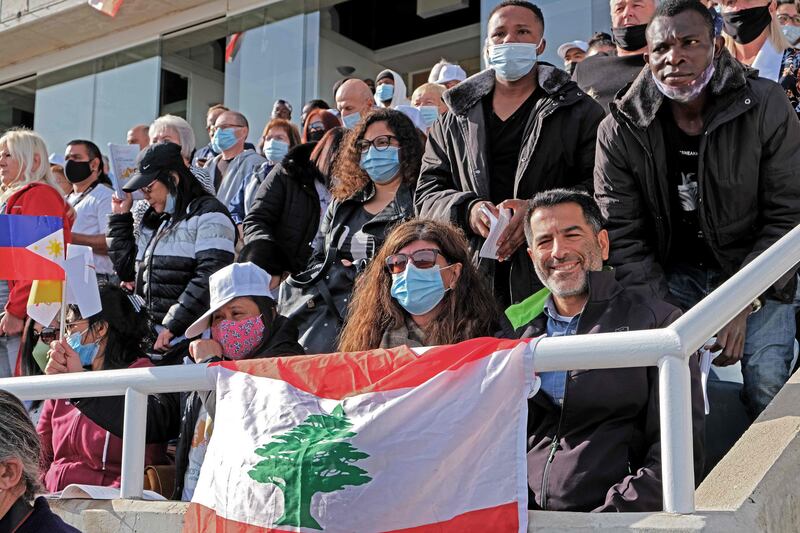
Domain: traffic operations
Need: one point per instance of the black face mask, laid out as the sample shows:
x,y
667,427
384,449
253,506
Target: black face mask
x,y
746,25
630,38
77,171
315,135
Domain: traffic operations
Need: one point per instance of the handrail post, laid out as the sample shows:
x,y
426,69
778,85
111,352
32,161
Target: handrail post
x,y
677,450
133,444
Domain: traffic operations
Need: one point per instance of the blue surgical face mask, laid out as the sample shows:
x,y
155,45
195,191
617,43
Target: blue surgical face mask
x,y
429,114
87,352
351,120
418,290
381,165
512,61
225,138
275,150
169,206
384,92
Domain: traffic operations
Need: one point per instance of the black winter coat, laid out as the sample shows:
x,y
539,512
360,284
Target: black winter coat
x,y
339,212
601,450
281,225
557,151
748,176
171,262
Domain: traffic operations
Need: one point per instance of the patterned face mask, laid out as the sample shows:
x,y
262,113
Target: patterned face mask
x,y
239,338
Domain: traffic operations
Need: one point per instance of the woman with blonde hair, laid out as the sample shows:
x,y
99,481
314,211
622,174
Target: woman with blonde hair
x,y
27,187
421,289
753,35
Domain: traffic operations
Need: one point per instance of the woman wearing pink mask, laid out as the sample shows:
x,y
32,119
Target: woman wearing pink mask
x,y
241,323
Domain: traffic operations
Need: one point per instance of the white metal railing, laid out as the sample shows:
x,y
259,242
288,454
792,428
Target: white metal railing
x,y
668,349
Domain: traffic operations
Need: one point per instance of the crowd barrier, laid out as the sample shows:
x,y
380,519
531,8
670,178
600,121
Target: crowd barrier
x,y
668,349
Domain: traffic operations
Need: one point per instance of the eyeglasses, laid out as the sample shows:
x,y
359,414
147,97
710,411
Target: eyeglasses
x,y
73,326
46,335
381,143
425,258
226,126
785,19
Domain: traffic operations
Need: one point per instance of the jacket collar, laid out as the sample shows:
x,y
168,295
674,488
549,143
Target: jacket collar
x,y
603,287
464,96
640,101
298,164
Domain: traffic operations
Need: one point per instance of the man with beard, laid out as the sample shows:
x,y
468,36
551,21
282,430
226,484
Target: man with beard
x,y
593,435
603,76
697,173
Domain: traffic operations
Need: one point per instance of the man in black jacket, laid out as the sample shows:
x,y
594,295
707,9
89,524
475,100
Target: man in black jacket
x,y
698,172
512,131
593,435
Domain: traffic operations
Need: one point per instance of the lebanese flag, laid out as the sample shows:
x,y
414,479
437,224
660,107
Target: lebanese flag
x,y
31,247
385,440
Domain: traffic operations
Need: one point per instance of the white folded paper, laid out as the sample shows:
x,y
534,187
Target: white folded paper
x,y
95,492
496,227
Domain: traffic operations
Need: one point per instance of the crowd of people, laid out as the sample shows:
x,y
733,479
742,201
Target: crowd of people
x,y
661,160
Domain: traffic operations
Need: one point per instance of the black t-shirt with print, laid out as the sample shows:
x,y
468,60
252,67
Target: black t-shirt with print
x,y
688,241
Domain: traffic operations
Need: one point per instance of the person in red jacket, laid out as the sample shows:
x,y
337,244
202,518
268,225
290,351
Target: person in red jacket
x,y
76,449
27,187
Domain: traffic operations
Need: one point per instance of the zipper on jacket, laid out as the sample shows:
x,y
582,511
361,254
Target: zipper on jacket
x,y
149,260
553,447
557,437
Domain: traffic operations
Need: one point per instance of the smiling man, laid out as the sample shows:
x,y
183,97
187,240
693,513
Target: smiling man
x,y
593,435
698,172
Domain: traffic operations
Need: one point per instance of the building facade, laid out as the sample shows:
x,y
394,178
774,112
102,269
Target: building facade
x,y
70,71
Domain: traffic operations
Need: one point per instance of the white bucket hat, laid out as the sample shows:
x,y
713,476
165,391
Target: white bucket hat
x,y
232,281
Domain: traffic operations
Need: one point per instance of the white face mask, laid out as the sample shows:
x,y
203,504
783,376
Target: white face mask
x,y
792,34
689,92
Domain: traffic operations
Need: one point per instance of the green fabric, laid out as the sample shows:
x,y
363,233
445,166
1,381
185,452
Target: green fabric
x,y
528,309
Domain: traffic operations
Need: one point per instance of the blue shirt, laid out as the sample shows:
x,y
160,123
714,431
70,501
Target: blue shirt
x,y
554,383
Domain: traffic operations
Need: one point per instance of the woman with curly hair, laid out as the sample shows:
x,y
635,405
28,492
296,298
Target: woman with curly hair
x,y
422,289
376,175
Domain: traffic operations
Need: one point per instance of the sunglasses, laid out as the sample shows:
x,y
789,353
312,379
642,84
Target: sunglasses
x,y
426,258
46,335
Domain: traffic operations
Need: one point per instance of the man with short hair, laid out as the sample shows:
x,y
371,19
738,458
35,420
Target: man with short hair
x,y
789,19
698,172
513,130
281,109
572,53
603,76
208,152
234,166
354,101
601,44
91,199
593,435
138,135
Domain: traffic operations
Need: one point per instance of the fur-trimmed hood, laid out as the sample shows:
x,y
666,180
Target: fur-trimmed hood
x,y
640,101
461,98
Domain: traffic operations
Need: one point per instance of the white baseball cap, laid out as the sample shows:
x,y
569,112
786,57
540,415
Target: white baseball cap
x,y
232,281
451,72
566,47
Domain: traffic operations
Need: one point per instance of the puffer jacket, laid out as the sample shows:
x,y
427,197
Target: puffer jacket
x,y
748,176
171,262
280,228
76,450
601,449
557,151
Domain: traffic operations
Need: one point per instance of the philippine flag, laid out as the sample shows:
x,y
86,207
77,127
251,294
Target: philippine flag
x,y
31,247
